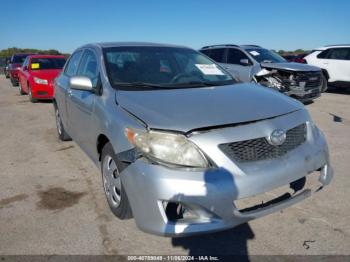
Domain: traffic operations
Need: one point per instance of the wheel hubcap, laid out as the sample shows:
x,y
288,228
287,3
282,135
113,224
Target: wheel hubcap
x,y
58,123
111,180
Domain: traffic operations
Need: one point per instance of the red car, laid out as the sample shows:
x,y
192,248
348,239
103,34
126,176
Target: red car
x,y
37,74
14,66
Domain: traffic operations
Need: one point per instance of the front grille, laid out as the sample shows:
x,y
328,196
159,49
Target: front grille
x,y
260,149
311,80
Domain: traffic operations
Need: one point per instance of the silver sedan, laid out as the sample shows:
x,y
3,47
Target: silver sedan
x,y
183,147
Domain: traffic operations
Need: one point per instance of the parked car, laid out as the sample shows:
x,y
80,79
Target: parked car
x,y
37,74
299,58
334,60
6,67
179,142
14,66
6,71
254,63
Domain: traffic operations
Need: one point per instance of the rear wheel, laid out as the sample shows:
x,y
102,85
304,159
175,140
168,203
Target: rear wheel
x,y
112,184
62,134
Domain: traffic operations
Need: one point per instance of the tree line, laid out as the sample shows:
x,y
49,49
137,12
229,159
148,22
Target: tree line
x,y
8,52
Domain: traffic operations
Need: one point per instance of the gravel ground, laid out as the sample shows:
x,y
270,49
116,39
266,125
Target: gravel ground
x,y
52,201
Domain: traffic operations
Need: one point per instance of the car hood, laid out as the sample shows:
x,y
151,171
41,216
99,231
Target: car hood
x,y
195,108
290,66
48,74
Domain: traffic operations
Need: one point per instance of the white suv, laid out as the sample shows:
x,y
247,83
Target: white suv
x,y
334,60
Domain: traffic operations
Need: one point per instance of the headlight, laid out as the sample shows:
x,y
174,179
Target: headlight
x,y
166,147
40,81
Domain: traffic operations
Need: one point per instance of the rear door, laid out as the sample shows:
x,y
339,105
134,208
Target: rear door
x,y
235,66
81,103
337,63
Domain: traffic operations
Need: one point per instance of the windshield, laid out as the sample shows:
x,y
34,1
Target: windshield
x,y
161,67
265,55
47,63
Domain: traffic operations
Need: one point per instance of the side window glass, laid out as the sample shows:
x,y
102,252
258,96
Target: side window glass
x,y
73,63
338,53
88,66
235,56
323,54
217,54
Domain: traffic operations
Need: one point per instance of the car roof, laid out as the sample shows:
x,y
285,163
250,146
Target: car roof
x,y
232,45
129,44
22,54
46,56
330,46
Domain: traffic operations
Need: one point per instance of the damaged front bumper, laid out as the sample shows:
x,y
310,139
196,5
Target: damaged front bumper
x,y
207,198
304,91
304,86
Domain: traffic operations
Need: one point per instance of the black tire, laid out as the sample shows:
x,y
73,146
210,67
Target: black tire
x,y
62,134
122,209
20,90
14,82
30,95
324,85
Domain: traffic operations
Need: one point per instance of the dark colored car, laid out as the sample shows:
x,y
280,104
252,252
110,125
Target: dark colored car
x,y
14,66
296,58
6,71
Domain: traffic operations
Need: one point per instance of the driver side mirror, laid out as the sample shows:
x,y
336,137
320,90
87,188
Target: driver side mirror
x,y
244,62
81,83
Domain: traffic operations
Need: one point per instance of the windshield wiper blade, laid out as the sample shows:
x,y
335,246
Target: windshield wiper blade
x,y
195,83
140,84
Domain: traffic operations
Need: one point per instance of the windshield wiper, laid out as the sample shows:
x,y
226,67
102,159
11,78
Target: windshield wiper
x,y
140,84
165,86
195,83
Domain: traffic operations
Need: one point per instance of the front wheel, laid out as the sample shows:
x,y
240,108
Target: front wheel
x,y
13,82
324,83
20,90
112,184
30,95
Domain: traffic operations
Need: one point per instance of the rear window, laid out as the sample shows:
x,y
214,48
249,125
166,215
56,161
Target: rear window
x,y
47,63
